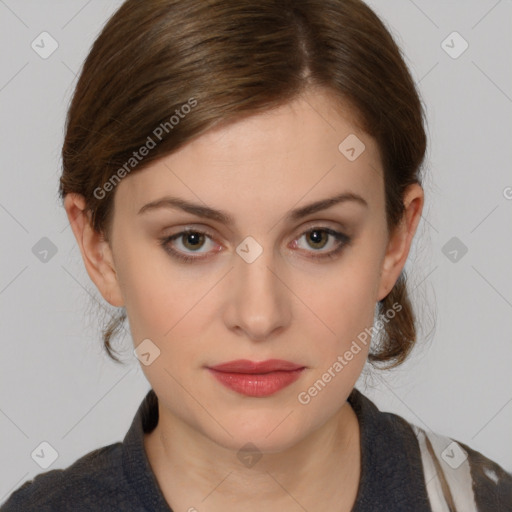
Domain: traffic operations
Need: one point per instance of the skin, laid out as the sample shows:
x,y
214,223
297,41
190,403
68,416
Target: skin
x,y
286,304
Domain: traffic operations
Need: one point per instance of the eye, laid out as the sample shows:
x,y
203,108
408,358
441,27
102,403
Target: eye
x,y
192,240
319,237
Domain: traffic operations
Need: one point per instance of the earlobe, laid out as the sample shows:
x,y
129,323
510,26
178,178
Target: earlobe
x,y
400,240
96,251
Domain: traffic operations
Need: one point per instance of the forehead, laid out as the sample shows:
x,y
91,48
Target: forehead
x,y
302,149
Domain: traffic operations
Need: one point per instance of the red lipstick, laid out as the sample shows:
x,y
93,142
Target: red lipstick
x,y
256,379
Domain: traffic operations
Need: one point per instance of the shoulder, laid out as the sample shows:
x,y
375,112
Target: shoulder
x,y
431,470
90,483
460,477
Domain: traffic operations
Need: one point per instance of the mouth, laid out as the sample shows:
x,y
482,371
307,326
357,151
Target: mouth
x,y
256,379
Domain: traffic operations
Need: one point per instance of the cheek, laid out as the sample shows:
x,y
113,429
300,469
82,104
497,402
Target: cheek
x,y
172,305
156,293
346,307
344,299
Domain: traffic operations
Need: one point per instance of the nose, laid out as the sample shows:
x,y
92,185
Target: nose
x,y
259,301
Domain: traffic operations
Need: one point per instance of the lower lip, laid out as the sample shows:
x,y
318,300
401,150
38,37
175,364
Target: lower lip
x,y
257,384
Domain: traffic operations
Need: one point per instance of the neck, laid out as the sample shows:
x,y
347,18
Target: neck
x,y
194,471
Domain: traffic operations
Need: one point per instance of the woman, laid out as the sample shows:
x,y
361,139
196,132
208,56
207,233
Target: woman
x,y
243,181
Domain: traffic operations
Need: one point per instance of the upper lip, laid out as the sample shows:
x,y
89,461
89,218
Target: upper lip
x,y
246,366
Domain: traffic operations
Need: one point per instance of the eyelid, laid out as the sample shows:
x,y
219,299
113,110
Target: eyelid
x,y
187,230
340,237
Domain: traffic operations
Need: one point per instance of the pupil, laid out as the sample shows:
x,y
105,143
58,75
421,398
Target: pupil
x,y
193,238
316,236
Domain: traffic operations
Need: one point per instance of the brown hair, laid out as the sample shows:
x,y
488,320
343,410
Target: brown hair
x,y
230,59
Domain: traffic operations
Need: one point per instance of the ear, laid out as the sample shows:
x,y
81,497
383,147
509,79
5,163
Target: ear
x,y
400,240
96,251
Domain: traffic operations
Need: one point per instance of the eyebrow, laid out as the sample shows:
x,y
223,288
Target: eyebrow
x,y
225,218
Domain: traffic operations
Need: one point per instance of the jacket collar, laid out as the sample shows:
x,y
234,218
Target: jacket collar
x,y
391,468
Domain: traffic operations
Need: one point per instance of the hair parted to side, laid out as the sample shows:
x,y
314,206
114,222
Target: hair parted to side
x,y
235,58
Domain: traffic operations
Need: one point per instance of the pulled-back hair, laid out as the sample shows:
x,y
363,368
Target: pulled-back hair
x,y
184,66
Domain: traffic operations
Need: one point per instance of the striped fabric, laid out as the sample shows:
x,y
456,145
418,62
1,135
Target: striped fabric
x,y
453,478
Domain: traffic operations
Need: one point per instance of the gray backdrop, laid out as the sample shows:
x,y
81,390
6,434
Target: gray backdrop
x,y
58,387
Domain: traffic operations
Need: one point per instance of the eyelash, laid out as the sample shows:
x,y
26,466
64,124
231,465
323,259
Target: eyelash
x,y
342,239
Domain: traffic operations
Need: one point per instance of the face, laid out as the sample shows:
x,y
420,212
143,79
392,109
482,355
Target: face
x,y
267,284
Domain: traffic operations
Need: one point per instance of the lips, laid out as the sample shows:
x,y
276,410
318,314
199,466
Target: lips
x,y
246,366
256,379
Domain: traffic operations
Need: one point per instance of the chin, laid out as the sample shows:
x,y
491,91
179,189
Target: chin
x,y
269,432
257,442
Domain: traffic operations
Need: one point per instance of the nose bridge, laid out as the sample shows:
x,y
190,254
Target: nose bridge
x,y
258,302
253,270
